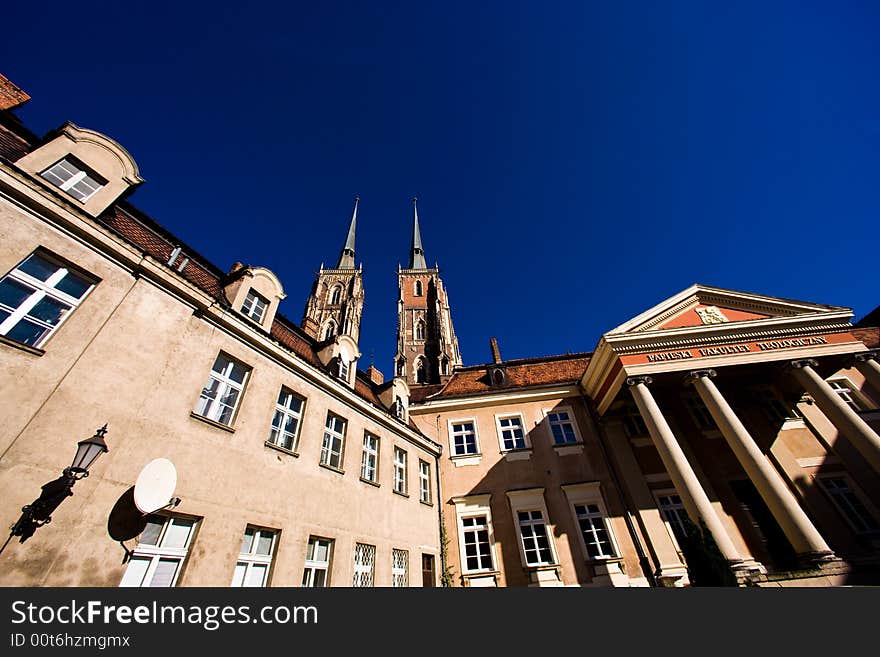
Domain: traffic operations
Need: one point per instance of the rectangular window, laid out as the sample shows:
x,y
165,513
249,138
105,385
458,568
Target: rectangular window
x,y
594,530
343,369
364,561
37,296
850,396
370,457
700,414
428,575
334,441
773,407
161,552
72,176
317,569
255,557
633,424
536,544
399,568
254,306
425,482
849,504
399,471
477,549
562,427
220,396
287,420
464,438
511,432
675,515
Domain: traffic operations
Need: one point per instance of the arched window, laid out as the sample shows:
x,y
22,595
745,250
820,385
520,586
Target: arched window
x,y
417,288
329,330
420,330
401,367
421,371
444,366
343,369
335,293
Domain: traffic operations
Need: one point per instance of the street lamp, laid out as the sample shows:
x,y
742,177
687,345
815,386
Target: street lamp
x,y
39,512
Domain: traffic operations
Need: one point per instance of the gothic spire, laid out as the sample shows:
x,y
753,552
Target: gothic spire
x,y
346,258
416,254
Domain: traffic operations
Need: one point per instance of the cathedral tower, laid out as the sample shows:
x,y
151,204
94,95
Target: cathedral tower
x,y
337,299
427,348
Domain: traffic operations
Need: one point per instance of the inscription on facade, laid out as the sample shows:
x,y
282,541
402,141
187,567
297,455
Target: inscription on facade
x,y
670,355
736,349
795,342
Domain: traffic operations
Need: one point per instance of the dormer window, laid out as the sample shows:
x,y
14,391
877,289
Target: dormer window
x,y
417,289
255,306
343,369
497,376
72,176
399,411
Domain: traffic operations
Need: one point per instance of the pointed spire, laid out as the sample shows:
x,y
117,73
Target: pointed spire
x,y
416,254
346,258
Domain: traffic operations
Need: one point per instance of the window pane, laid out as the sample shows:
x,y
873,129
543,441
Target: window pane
x,y
13,293
264,543
164,575
177,533
27,333
320,578
150,535
247,541
238,372
74,285
38,267
238,575
134,574
49,310
257,575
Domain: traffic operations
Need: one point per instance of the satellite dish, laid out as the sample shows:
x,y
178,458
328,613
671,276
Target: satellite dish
x,y
155,486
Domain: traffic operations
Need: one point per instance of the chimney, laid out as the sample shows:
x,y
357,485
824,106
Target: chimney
x,y
375,375
235,267
496,353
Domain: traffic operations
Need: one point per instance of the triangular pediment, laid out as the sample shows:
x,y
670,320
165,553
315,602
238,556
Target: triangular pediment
x,y
700,305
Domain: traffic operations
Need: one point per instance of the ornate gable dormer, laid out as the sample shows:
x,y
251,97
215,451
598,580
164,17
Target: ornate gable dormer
x,y
253,292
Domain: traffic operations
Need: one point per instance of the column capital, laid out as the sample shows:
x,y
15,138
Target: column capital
x,y
636,380
802,363
865,356
699,374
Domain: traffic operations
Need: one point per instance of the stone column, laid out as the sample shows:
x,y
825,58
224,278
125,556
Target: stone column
x,y
804,537
847,421
688,487
868,363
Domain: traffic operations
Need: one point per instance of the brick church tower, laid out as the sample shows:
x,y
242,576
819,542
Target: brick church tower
x,y
427,348
336,303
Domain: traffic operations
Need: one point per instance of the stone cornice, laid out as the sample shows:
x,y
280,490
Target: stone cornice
x,y
493,398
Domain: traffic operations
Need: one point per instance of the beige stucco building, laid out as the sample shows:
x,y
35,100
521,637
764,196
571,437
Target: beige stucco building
x,y
748,419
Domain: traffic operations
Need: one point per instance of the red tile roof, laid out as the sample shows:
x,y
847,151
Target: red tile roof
x,y
870,335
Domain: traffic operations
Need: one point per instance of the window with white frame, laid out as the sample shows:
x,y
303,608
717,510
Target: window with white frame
x,y
849,394
254,306
287,420
399,409
370,457
343,369
72,176
425,482
773,407
477,546
364,563
700,414
399,568
535,541
594,530
464,438
510,432
255,557
674,514
562,427
399,471
849,504
317,568
334,441
160,553
222,393
37,296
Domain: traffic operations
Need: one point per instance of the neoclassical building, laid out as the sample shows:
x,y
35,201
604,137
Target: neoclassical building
x,y
719,437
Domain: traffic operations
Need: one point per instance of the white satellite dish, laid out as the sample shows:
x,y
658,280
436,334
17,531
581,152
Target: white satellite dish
x,y
155,486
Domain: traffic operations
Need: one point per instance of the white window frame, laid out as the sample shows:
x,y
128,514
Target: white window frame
x,y
255,306
370,457
452,434
529,501
850,395
332,434
158,552
364,571
42,290
678,510
311,566
276,434
586,495
400,471
343,369
251,560
70,185
870,514
424,482
399,568
773,407
499,418
213,407
572,420
475,506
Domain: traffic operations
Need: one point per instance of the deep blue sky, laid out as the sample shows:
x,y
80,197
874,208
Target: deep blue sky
x,y
576,162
